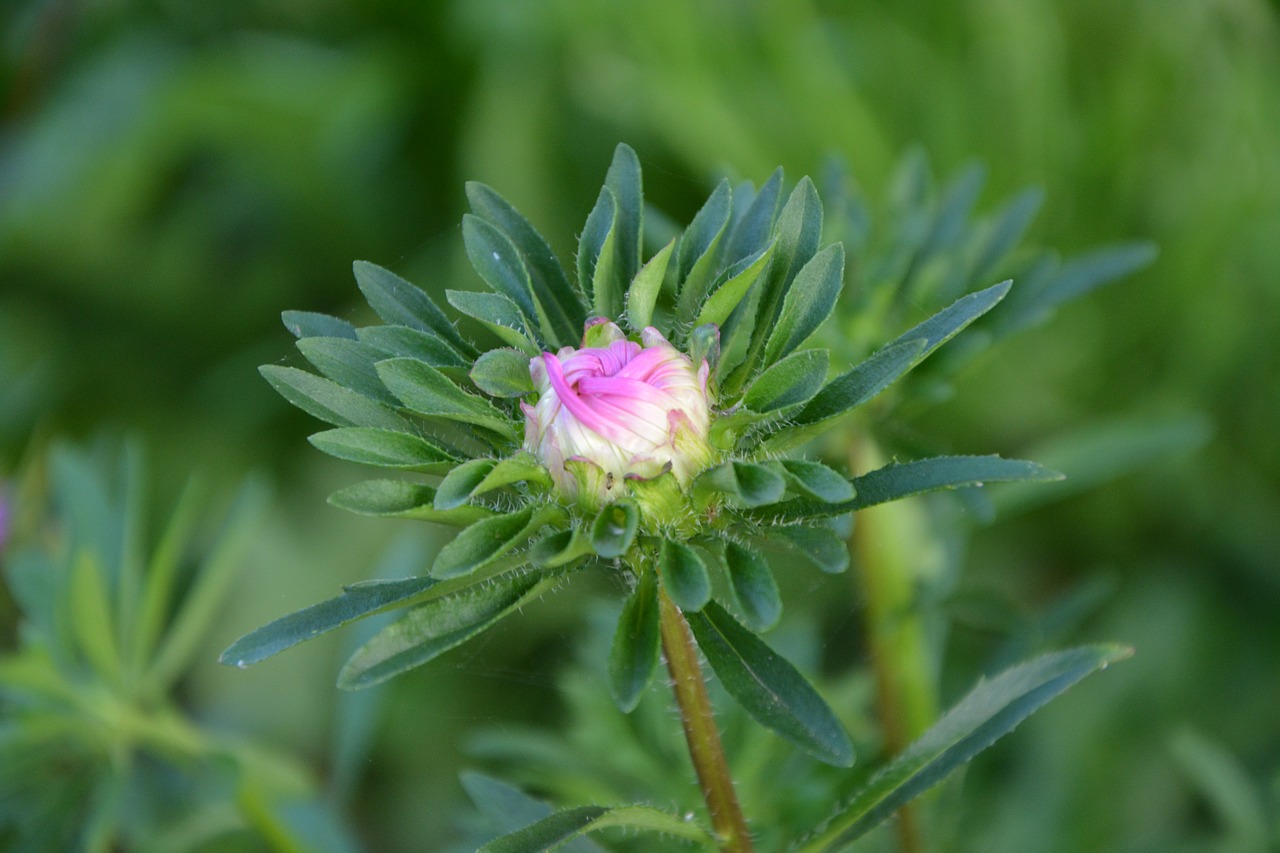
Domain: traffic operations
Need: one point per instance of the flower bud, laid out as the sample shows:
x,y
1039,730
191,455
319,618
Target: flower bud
x,y
618,411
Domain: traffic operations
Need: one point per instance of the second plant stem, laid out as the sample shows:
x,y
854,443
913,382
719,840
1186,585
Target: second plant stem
x,y
700,730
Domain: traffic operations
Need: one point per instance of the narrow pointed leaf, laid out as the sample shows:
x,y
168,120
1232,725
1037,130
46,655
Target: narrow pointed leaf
x,y
498,261
1005,232
633,658
427,391
730,293
553,832
92,620
459,485
750,233
411,343
790,382
643,293
769,688
485,541
817,481
684,576
993,709
754,589
356,602
558,299
306,324
606,285
1075,278
384,447
819,546
699,255
402,499
436,626
521,468
796,235
330,402
591,242
499,315
809,301
402,304
624,181
350,364
864,381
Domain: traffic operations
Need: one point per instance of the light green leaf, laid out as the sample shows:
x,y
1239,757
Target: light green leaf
x,y
643,293
459,485
92,621
425,390
790,382
560,548
553,832
400,303
768,688
503,373
633,658
729,295
993,709
436,626
384,447
350,364
330,402
591,242
698,256
356,602
751,231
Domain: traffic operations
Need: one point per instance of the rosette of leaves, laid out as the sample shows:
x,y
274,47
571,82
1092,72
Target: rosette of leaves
x,y
96,752
744,287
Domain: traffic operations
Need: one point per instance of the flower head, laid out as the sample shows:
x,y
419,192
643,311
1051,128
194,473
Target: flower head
x,y
618,411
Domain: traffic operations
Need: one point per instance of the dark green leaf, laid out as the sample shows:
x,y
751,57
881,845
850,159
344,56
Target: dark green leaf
x,y
754,589
863,382
993,709
329,401
499,315
401,304
771,690
819,546
550,284
560,548
790,382
488,539
552,832
498,261
1005,232
614,528
624,181
427,391
817,481
356,602
1074,279
388,448
402,499
459,485
796,237
633,657
411,343
350,364
503,373
439,625
747,483
750,233
698,256
809,301
306,324
684,576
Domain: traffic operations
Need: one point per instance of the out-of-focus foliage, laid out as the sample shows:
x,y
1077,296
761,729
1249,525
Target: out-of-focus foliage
x,y
172,175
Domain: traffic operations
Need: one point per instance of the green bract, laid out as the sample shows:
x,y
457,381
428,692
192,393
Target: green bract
x,y
743,290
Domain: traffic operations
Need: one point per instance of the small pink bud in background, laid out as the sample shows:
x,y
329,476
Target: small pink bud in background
x,y
617,411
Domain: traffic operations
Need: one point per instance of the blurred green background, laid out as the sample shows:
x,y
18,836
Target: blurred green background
x,y
173,174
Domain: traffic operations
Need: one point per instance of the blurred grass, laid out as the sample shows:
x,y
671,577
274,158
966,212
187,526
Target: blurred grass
x,y
173,175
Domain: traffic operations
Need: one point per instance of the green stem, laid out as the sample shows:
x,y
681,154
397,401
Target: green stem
x,y
700,730
889,543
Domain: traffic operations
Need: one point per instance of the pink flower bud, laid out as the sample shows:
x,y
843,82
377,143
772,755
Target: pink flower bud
x,y
616,411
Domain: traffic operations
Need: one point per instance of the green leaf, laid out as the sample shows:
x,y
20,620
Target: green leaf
x,y
401,304
796,235
698,255
739,279
750,232
993,709
903,479
350,364
1075,278
498,261
817,481
566,314
356,602
790,382
384,447
486,540
521,468
819,546
330,402
595,233
607,289
425,390
748,483
771,690
91,618
614,528
436,626
411,343
307,324
503,373
633,658
624,181
754,589
402,499
560,548
1004,233
809,301
506,807
863,382
459,485
562,827
643,293
499,315
684,576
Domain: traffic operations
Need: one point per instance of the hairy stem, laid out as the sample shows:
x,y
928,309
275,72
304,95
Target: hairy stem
x,y
700,730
